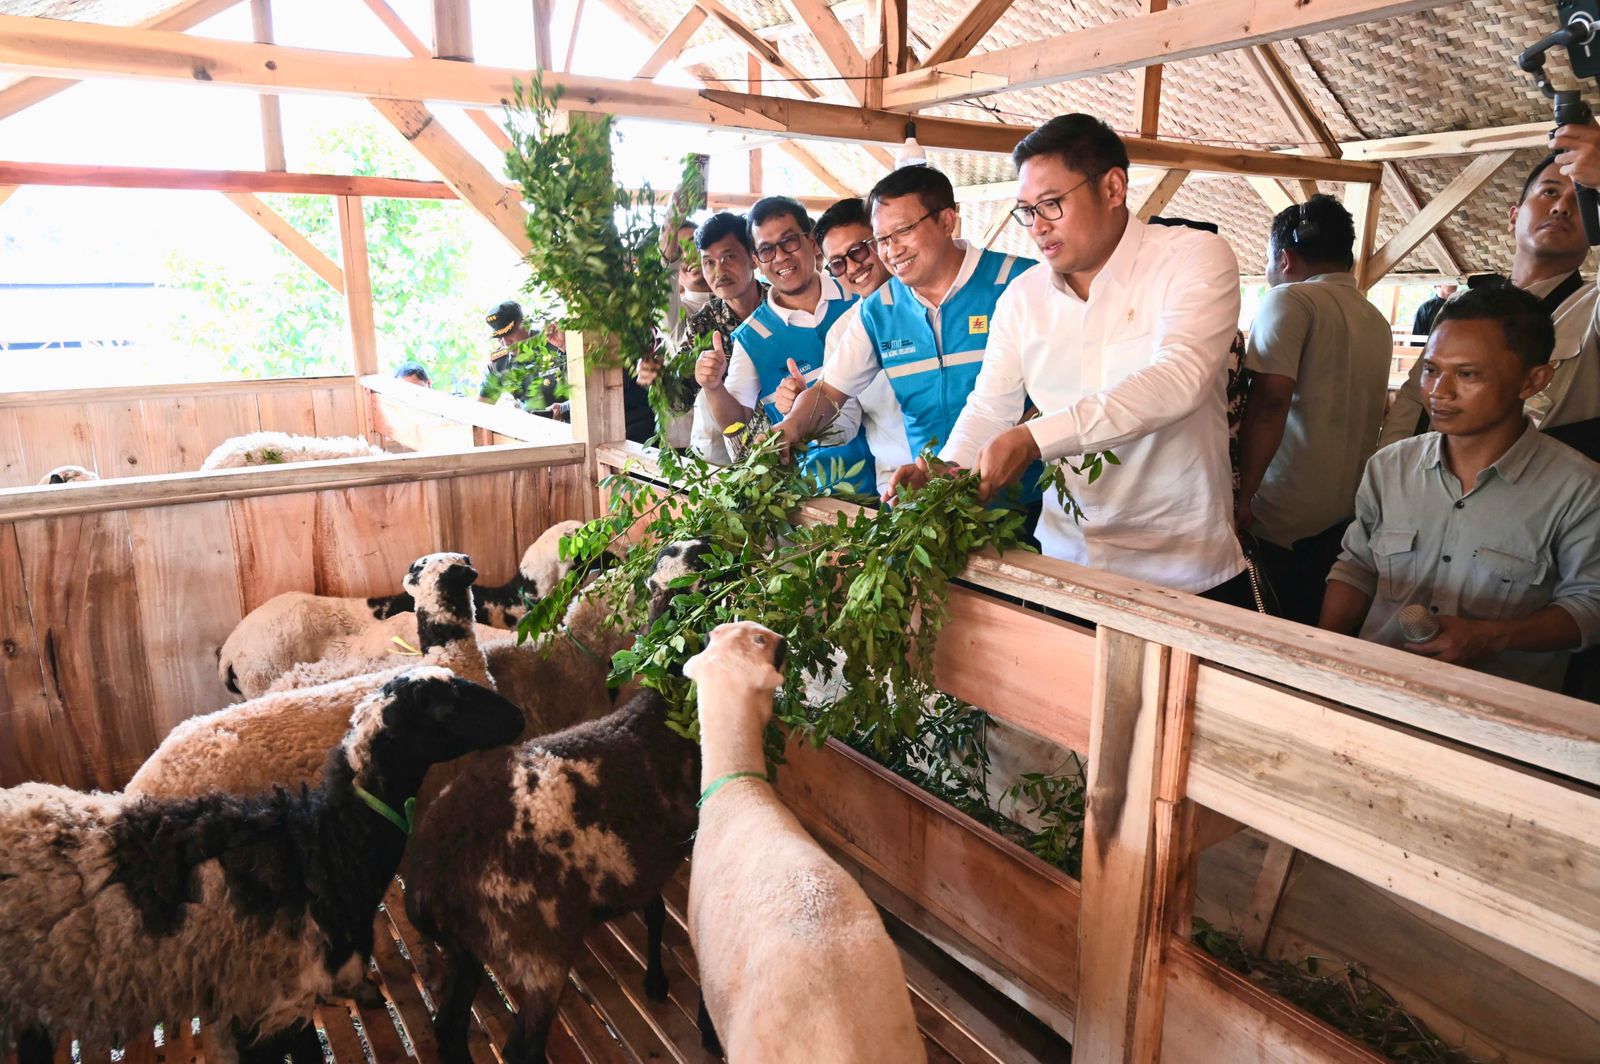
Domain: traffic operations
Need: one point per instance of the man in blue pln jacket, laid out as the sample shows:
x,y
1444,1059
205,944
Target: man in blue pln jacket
x,y
926,328
784,338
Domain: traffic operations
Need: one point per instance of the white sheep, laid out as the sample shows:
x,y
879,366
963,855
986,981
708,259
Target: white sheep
x,y
279,739
119,912
278,448
795,964
69,474
297,626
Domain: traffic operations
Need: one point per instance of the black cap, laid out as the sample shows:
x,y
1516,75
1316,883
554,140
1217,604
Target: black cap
x,y
505,317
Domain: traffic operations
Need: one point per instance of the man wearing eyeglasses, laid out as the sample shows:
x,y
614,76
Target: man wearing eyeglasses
x,y
1122,343
785,337
927,327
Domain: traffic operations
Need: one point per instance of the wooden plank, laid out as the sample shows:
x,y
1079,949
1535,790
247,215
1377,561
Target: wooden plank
x,y
1272,193
1400,188
272,155
1161,193
1034,671
474,517
172,434
87,175
357,283
186,574
23,503
1147,86
668,1025
844,59
1502,850
336,411
504,420
288,412
1479,172
963,36
413,44
1202,27
162,391
672,44
1269,889
117,431
50,435
639,1042
1452,142
286,234
85,612
33,733
335,1022
13,469
1029,921
740,31
1125,743
1286,97
222,417
400,987
1214,1014
1363,202
452,30
366,538
274,540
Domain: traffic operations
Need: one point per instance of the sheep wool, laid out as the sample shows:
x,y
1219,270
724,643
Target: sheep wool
x,y
278,448
795,964
69,474
118,912
283,738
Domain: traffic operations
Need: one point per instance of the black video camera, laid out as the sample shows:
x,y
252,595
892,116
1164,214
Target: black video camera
x,y
1580,36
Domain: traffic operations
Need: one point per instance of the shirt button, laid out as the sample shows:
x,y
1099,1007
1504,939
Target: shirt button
x,y
1460,504
1447,557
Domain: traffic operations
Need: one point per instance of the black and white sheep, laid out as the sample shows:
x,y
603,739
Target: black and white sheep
x,y
278,448
117,912
69,474
795,964
280,739
297,627
528,848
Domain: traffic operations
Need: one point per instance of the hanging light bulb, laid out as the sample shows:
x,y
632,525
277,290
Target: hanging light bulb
x,y
910,153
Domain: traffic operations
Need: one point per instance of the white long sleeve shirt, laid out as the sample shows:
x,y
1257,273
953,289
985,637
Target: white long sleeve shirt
x,y
1139,368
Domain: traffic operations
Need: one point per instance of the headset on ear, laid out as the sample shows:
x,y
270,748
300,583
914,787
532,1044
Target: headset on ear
x,y
1304,228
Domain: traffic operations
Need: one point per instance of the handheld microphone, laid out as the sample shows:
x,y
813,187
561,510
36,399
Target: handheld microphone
x,y
1417,624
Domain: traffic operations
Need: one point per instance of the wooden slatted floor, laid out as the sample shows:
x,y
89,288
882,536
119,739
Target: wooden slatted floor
x,y
605,1017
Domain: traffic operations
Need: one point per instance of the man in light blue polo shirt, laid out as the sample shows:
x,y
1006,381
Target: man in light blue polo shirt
x,y
926,329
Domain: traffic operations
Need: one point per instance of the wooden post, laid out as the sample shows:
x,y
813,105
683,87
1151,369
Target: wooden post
x,y
1160,194
271,113
1362,201
1147,87
543,48
1137,847
452,30
357,284
752,72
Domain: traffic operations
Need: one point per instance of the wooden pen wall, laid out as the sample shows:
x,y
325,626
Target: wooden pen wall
x,y
129,432
111,620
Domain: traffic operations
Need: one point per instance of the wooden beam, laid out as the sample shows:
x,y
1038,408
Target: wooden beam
x,y
413,44
499,204
290,237
271,113
961,38
1459,142
1147,86
44,45
1400,189
1479,172
845,60
1285,97
1161,194
452,30
879,155
543,47
572,38
758,47
752,67
671,46
814,167
1266,895
996,227
182,16
1362,201
1203,27
83,176
1272,193
357,284
5,193
723,47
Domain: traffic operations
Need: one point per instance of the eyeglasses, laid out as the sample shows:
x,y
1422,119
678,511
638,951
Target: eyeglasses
x,y
788,245
858,253
1048,209
883,242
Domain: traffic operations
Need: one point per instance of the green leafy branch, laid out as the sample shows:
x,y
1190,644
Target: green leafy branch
x,y
1090,464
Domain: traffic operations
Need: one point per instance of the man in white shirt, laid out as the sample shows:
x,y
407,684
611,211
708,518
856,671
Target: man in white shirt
x,y
1318,360
1122,343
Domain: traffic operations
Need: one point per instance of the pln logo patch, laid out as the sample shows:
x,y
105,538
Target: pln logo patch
x,y
977,324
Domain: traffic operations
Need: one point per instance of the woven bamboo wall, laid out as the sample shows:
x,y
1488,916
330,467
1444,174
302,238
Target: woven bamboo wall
x,y
111,620
129,432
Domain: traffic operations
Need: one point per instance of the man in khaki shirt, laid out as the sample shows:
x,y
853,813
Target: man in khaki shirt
x,y
1318,359
1488,523
1550,249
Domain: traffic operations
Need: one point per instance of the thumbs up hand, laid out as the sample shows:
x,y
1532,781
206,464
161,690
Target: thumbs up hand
x,y
711,367
787,392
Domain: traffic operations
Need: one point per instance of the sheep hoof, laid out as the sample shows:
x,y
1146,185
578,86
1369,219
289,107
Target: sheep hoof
x,y
655,986
708,1031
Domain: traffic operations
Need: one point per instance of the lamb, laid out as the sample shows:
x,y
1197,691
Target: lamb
x,y
795,964
528,848
277,448
68,474
281,738
297,627
559,679
118,912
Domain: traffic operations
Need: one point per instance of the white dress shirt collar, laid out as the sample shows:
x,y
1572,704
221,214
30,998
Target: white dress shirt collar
x,y
1118,269
806,318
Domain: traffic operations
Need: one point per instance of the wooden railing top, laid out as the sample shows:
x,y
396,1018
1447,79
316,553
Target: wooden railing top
x,y
169,391
507,421
1498,716
21,504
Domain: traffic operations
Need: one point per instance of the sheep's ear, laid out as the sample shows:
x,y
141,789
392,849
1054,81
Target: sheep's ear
x,y
57,478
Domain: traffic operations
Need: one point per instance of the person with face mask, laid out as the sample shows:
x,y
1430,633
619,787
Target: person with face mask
x,y
784,338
